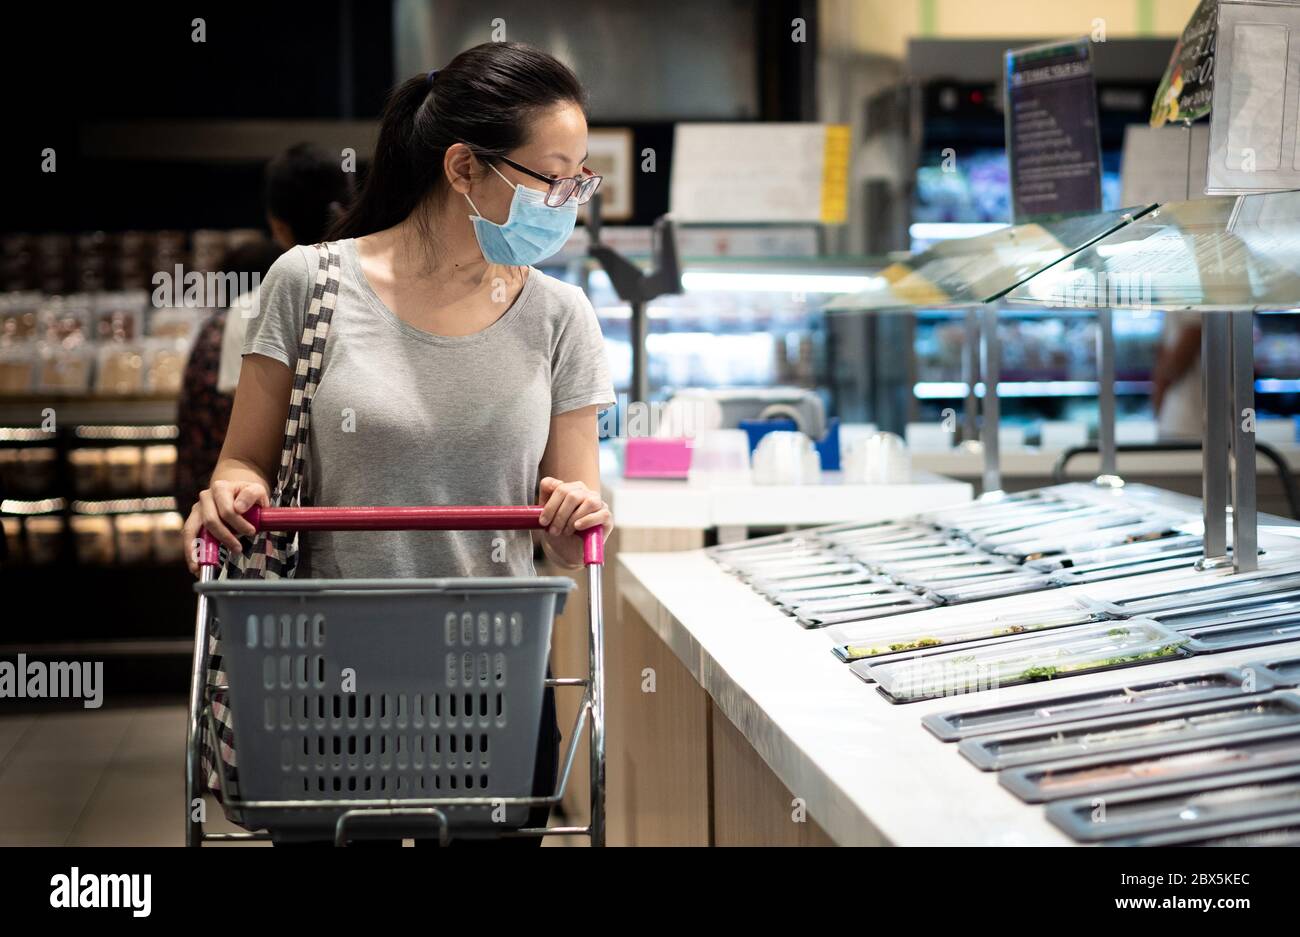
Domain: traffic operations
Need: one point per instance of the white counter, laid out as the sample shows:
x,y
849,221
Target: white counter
x,y
654,503
1038,463
866,768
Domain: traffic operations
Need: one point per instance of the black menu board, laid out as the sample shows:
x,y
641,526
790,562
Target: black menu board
x,y
1052,137
1187,88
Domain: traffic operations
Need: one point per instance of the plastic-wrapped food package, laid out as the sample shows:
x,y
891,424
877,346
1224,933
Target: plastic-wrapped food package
x,y
176,322
116,320
167,544
1051,743
18,317
93,535
120,370
64,320
124,469
135,537
13,529
159,468
1055,653
33,472
165,365
64,370
89,471
44,538
17,367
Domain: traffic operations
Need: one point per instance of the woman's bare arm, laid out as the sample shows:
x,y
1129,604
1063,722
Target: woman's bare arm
x,y
256,432
569,490
1173,361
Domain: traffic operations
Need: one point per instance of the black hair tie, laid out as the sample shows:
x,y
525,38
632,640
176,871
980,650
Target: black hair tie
x,y
433,73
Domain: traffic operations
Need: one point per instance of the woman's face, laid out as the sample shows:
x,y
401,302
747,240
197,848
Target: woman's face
x,y
555,145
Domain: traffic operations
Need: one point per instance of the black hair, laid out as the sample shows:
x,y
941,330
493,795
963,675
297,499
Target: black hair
x,y
307,189
484,98
250,257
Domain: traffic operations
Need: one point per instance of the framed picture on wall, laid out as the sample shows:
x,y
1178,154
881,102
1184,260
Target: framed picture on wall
x,y
610,155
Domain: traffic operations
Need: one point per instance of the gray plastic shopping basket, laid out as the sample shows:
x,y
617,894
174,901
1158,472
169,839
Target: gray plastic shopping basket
x,y
353,689
388,707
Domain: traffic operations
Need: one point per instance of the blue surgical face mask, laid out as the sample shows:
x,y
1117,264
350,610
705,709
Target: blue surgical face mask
x,y
532,232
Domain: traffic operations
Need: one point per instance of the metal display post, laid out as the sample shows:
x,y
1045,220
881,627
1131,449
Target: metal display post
x,y
990,366
1109,476
971,375
1245,535
1214,452
636,287
639,327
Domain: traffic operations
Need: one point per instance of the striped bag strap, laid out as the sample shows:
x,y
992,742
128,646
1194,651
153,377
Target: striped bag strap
x,y
274,555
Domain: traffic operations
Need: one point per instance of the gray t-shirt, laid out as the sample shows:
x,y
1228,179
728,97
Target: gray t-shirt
x,y
406,417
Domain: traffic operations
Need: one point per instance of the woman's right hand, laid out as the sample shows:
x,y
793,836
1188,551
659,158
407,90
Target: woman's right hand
x,y
221,510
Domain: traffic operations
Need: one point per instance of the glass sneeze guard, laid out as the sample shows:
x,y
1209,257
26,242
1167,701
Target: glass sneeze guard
x,y
1226,253
976,270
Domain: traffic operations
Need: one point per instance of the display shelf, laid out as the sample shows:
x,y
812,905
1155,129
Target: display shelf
x,y
1038,463
659,504
956,390
867,770
28,409
971,271
1224,253
73,511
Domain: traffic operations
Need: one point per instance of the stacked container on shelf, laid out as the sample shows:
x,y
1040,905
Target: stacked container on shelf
x,y
96,495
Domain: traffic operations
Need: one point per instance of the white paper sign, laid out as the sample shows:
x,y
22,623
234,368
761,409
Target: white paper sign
x,y
755,173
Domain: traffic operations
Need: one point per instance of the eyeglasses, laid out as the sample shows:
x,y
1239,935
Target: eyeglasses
x,y
581,187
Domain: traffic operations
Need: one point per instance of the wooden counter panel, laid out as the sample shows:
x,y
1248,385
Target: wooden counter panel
x,y
569,659
751,807
662,786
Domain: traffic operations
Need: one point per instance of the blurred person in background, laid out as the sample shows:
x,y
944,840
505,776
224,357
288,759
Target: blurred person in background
x,y
1176,377
306,191
203,409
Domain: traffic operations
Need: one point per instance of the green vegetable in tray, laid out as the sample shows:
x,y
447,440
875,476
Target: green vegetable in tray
x,y
854,651
1049,671
1039,673
1117,632
915,645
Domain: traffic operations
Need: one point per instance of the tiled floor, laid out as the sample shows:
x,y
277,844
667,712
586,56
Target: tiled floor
x,y
101,777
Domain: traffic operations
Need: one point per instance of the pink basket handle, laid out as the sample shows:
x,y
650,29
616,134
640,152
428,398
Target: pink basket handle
x,y
402,518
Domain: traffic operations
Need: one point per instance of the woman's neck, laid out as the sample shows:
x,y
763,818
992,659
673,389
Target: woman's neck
x,y
451,254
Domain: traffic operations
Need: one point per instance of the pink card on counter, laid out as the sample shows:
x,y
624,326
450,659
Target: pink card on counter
x,y
657,458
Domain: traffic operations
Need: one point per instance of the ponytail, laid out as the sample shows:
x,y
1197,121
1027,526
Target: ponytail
x,y
394,185
484,98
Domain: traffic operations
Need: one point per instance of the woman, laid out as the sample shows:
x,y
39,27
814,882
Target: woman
x,y
203,409
1176,377
453,372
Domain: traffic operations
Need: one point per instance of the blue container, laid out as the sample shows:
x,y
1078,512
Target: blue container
x,y
828,447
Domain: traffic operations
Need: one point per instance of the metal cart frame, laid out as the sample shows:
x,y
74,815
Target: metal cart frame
x,y
421,811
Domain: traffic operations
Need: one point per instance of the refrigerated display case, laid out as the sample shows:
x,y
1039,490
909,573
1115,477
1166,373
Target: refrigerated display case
x,y
755,321
740,322
1224,253
1049,365
963,278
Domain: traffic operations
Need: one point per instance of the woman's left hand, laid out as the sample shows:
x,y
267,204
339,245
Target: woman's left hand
x,y
568,508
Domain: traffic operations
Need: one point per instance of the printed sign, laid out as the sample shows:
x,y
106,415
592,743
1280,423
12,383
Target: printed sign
x,y
1053,145
1187,88
754,173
